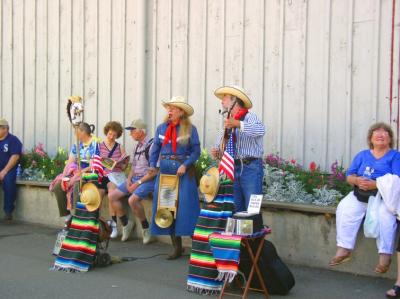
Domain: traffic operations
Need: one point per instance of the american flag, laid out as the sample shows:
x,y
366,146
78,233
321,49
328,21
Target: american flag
x,y
97,166
227,164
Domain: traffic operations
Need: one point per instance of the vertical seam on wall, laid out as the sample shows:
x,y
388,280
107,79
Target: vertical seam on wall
x,y
223,42
243,40
23,70
155,55
47,73
263,67
349,65
188,51
124,89
97,62
84,54
282,75
71,59
305,32
111,56
328,80
205,70
35,81
376,64
1,56
59,75
12,64
171,45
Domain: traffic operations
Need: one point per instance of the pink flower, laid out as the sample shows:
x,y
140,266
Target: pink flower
x,y
293,161
313,166
39,149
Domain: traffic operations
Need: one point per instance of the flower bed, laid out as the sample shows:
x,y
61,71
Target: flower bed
x,y
284,180
37,165
289,182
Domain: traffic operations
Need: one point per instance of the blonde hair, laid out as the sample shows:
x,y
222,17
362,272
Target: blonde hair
x,y
185,128
377,126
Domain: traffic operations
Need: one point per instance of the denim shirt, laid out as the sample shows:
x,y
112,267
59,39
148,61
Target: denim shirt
x,y
190,151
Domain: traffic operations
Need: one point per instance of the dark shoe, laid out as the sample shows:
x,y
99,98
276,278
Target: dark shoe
x,y
396,292
8,218
177,252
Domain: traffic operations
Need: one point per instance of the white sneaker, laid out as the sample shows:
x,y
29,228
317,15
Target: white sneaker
x,y
147,238
127,230
114,232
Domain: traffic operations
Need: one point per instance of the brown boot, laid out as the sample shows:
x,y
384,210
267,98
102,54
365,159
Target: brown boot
x,y
177,244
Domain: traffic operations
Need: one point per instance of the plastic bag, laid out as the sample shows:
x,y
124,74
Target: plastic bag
x,y
371,222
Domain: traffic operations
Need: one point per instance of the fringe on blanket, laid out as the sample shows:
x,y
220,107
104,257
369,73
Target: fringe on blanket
x,y
66,270
202,291
226,275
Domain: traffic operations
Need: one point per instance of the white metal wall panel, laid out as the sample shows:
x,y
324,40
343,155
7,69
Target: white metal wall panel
x,y
317,71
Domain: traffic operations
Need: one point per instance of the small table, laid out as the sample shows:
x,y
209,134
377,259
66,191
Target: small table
x,y
254,258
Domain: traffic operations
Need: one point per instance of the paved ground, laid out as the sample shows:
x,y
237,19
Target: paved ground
x,y
25,263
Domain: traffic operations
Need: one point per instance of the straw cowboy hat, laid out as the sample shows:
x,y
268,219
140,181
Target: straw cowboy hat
x,y
179,102
75,99
209,184
90,196
236,91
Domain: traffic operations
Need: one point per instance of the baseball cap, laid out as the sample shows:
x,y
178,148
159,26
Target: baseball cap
x,y
137,124
3,122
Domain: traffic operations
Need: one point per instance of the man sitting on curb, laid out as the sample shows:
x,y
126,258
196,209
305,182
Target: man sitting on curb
x,y
139,185
10,152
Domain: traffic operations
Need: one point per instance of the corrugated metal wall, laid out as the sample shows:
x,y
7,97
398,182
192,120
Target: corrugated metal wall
x,y
317,70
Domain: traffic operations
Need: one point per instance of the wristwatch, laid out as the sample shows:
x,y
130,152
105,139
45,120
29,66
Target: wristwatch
x,y
139,182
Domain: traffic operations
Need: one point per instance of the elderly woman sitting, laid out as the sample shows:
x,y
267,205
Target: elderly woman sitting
x,y
366,167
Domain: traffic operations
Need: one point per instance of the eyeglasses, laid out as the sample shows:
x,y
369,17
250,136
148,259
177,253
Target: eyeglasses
x,y
380,132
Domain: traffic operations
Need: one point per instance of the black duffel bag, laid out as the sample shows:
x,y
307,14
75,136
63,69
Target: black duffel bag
x,y
278,279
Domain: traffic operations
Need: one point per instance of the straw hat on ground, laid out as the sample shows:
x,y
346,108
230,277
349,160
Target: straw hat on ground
x,y
179,102
209,184
236,91
90,196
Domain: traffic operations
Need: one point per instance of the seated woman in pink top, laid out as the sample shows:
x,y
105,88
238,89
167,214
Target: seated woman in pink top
x,y
111,149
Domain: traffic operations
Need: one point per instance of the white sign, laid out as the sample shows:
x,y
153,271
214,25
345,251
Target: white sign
x,y
255,204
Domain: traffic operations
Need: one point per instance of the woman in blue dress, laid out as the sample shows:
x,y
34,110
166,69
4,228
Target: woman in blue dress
x,y
176,147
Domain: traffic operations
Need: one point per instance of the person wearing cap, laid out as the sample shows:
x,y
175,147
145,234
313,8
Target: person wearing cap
x,y
139,185
176,148
10,153
248,133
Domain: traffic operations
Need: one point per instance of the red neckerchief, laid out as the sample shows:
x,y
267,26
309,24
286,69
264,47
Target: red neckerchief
x,y
170,134
241,113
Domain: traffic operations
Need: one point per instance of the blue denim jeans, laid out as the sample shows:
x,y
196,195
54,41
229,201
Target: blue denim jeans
x,y
248,181
10,191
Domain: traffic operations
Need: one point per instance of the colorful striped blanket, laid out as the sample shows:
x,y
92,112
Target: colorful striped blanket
x,y
226,252
78,249
203,271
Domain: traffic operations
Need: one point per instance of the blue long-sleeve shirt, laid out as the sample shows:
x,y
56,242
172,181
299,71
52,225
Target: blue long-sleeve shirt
x,y
190,151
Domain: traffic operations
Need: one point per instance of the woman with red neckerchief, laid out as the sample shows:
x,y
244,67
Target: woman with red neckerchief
x,y
176,146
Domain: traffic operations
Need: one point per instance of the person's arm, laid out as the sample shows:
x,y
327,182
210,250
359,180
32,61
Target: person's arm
x,y
15,148
251,126
155,150
215,151
10,165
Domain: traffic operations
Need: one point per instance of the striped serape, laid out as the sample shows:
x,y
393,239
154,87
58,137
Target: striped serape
x,y
78,249
202,268
226,252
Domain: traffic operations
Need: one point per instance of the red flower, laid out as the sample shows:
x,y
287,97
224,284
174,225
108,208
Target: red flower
x,y
313,166
293,161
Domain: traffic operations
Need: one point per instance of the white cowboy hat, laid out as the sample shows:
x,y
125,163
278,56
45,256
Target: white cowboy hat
x,y
179,102
234,91
209,184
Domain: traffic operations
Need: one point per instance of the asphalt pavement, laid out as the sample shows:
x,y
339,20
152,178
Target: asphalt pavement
x,y
25,261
